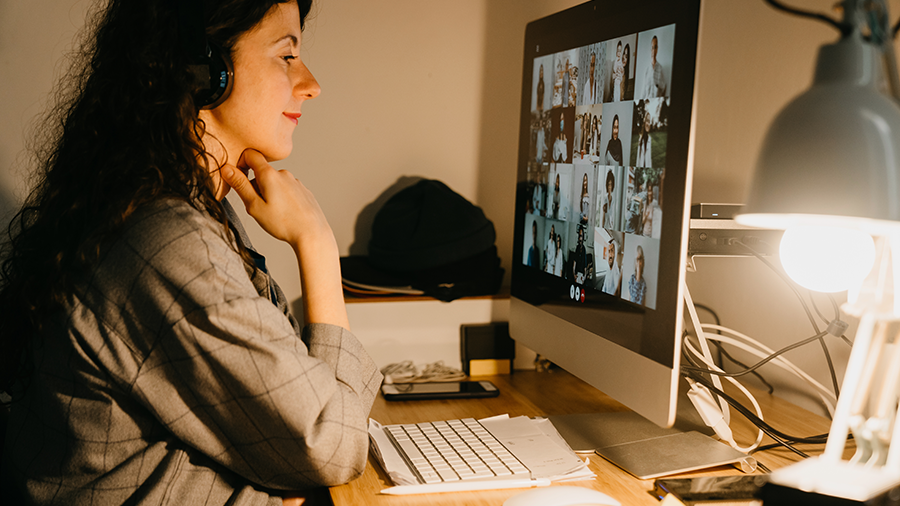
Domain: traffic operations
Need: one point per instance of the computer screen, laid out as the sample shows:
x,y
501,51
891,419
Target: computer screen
x,y
603,193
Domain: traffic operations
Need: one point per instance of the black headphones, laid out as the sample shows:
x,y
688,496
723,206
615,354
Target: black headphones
x,y
211,69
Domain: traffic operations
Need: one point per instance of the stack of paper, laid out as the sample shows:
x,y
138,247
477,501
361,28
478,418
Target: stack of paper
x,y
535,442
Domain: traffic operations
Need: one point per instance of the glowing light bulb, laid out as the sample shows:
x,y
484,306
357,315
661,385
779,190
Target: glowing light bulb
x,y
827,259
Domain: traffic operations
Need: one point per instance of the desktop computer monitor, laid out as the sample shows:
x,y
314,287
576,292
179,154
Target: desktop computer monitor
x,y
603,194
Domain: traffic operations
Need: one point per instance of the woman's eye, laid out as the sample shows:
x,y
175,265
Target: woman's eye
x,y
289,57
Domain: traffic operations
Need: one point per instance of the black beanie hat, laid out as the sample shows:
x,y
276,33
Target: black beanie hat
x,y
431,238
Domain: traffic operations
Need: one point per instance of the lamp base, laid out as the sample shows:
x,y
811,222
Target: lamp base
x,y
820,482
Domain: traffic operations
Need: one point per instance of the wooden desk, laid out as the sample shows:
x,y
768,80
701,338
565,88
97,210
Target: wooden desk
x,y
555,393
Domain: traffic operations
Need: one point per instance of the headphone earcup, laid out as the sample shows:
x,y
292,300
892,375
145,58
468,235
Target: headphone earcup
x,y
215,78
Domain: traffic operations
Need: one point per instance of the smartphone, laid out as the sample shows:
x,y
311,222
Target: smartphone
x,y
444,390
711,488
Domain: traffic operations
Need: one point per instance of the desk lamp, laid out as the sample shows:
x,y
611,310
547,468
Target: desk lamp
x,y
829,174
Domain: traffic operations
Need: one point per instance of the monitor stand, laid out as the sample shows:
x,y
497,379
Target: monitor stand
x,y
646,450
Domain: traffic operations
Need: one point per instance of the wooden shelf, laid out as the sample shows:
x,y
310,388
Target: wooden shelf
x,y
354,299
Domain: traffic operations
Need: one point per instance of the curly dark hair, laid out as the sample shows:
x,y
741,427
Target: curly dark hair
x,y
128,133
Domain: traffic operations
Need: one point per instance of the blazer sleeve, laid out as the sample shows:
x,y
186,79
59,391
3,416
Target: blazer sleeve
x,y
222,367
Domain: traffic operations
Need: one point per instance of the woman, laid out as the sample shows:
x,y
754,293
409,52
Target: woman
x,y
557,215
585,200
585,134
626,72
647,212
613,154
636,205
594,146
605,211
150,356
645,149
558,266
540,89
550,251
538,198
561,144
589,86
618,73
637,285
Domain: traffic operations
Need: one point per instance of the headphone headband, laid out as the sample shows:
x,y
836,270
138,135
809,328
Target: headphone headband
x,y
212,72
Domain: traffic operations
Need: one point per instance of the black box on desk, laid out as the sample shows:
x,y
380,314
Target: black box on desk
x,y
486,349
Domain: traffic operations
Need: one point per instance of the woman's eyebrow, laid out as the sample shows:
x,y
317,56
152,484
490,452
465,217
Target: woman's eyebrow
x,y
293,38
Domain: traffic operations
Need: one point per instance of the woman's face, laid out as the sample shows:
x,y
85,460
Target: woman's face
x,y
639,264
609,186
615,128
270,85
625,56
584,184
619,50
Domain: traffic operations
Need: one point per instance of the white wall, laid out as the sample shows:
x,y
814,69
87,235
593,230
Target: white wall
x,y
425,88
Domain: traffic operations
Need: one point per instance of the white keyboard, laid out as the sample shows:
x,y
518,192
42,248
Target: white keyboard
x,y
454,450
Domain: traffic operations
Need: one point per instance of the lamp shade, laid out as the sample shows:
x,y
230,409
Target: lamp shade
x,y
832,156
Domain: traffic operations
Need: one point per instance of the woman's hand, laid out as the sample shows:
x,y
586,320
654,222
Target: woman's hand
x,y
280,203
286,210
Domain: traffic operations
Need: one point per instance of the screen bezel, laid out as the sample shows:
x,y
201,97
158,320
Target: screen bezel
x,y
543,314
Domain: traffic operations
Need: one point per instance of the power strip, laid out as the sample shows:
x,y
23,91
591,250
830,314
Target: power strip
x,y
720,237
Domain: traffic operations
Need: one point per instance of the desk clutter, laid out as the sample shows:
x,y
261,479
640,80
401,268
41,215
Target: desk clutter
x,y
469,454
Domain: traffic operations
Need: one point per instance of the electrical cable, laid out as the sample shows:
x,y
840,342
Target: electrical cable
x,y
842,27
753,346
760,377
772,446
815,306
762,362
835,306
745,343
718,322
710,311
722,352
687,356
755,420
834,380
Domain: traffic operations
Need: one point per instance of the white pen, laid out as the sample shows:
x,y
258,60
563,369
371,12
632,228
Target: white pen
x,y
463,486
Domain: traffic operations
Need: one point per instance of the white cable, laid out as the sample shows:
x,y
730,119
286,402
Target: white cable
x,y
722,428
826,395
764,352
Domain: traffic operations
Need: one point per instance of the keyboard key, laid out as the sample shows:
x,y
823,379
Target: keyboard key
x,y
447,475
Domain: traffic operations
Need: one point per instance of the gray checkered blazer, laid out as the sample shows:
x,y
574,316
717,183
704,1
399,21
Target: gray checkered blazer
x,y
172,378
